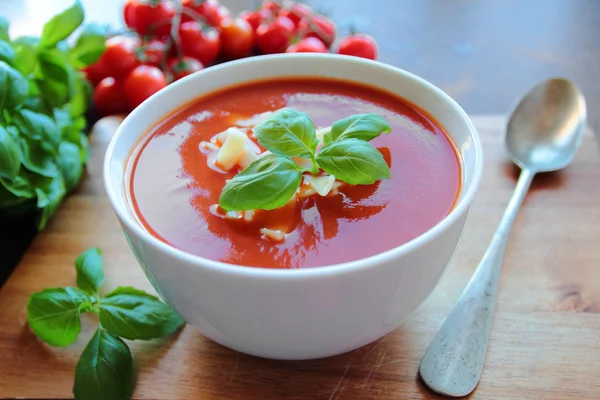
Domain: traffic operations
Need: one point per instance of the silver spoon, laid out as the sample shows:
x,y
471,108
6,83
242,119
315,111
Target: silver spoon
x,y
542,135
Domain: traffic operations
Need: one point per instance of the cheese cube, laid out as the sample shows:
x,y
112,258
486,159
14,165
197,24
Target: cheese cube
x,y
320,184
232,149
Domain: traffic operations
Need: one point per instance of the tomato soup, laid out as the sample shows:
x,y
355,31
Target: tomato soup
x,y
172,188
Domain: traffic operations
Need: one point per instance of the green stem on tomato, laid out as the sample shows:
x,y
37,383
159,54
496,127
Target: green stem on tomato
x,y
195,16
173,38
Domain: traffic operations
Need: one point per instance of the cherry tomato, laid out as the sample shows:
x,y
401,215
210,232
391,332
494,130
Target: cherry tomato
x,y
119,57
308,45
181,67
152,52
142,83
317,26
237,38
296,12
128,12
255,18
147,18
274,37
209,9
95,73
109,97
270,5
201,44
359,45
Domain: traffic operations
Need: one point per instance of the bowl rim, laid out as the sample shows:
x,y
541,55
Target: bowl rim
x,y
459,208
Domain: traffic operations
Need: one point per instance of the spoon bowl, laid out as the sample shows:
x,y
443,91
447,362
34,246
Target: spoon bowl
x,y
546,126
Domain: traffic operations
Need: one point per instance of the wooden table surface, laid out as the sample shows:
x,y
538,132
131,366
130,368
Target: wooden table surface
x,y
545,342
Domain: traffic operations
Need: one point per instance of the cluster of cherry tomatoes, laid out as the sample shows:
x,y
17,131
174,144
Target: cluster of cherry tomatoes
x,y
170,39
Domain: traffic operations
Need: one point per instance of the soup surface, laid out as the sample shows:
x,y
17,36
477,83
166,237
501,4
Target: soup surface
x,y
172,187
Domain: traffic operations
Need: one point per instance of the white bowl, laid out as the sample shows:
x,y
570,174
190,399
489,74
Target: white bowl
x,y
299,313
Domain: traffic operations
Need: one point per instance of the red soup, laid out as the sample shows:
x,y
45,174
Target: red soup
x,y
174,189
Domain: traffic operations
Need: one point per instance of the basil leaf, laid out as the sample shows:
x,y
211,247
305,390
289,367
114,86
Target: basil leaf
x,y
104,370
80,96
289,133
55,79
267,183
7,53
359,126
38,127
353,161
13,87
4,29
62,25
69,161
62,120
19,186
36,158
35,104
135,314
8,200
89,45
49,198
90,274
53,315
25,54
10,155
80,296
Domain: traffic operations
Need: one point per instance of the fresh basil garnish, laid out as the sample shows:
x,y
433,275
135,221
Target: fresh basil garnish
x,y
288,133
267,183
360,126
353,161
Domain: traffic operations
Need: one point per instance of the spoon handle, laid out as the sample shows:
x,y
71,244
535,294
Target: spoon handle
x,y
453,363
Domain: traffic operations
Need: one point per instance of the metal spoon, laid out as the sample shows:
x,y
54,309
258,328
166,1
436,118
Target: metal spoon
x,y
542,135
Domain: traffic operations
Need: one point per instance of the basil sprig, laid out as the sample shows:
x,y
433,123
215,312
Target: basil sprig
x,y
271,181
43,100
105,368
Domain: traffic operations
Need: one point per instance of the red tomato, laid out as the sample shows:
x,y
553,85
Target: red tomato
x,y
119,57
146,18
255,18
203,45
109,97
237,38
296,12
209,9
128,12
308,45
318,26
152,52
95,73
142,83
275,36
270,5
358,45
181,67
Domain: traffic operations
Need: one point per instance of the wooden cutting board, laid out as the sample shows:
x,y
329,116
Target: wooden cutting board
x,y
545,342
